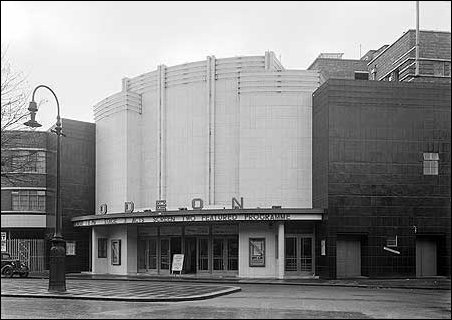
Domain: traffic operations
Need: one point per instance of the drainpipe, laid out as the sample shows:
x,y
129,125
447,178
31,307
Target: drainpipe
x,y
417,39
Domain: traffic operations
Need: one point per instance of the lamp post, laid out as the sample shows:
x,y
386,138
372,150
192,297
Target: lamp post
x,y
57,273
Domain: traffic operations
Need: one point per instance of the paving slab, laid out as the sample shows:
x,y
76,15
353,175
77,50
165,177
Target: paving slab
x,y
144,291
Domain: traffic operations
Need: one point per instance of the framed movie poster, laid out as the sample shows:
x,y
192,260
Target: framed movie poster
x,y
257,252
115,252
70,248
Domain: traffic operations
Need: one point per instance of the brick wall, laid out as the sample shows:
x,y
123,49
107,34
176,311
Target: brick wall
x,y
432,45
77,187
377,133
337,68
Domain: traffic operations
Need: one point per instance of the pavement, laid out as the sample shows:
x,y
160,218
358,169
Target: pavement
x,y
143,287
86,289
436,283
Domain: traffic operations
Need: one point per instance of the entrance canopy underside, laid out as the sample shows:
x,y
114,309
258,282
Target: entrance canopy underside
x,y
203,216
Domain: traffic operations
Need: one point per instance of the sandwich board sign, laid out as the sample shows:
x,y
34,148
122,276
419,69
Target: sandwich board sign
x,y
3,241
178,262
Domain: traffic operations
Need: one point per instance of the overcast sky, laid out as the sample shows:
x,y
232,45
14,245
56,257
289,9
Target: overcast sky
x,y
82,50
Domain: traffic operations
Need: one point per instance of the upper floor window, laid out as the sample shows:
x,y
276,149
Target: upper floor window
x,y
373,73
441,68
431,163
361,75
394,75
28,200
28,161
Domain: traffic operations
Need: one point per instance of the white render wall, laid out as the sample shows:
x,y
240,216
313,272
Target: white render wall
x,y
269,233
128,237
213,129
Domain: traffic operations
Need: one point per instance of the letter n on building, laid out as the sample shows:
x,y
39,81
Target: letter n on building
x,y
236,204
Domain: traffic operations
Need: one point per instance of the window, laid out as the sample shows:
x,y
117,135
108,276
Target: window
x,y
439,68
361,75
394,75
391,242
28,161
28,200
447,69
374,73
102,247
431,164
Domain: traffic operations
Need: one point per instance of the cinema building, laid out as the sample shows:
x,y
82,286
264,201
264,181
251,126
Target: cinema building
x,y
210,159
252,170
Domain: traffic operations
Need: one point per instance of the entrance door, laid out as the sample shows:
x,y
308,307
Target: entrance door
x,y
175,248
203,254
218,254
225,253
168,248
147,255
425,257
152,254
165,254
348,258
141,255
291,254
298,254
190,255
305,254
233,254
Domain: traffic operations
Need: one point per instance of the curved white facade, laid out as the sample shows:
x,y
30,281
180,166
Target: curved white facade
x,y
214,129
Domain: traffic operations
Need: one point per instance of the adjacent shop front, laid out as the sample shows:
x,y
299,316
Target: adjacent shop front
x,y
228,242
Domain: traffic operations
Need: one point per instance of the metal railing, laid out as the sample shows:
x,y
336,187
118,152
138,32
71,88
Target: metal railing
x,y
32,252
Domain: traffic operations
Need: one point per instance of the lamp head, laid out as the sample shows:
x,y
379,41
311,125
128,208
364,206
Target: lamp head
x,y
33,108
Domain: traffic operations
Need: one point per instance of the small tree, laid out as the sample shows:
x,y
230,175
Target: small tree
x,y
15,93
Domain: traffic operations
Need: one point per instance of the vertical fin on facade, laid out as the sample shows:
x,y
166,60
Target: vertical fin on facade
x,y
210,81
212,131
271,62
162,131
125,84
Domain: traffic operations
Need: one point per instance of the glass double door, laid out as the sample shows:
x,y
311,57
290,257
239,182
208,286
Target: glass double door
x,y
168,248
225,253
147,255
299,254
155,254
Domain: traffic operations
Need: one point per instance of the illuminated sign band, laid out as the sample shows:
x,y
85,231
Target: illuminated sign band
x,y
229,217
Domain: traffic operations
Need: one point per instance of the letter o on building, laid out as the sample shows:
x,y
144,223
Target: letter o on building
x,y
197,204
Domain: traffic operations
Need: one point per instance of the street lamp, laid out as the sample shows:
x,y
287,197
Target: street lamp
x,y
57,273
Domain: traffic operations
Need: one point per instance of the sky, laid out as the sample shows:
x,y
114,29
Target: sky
x,y
82,50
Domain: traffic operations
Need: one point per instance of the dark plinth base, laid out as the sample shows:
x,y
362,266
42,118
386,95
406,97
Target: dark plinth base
x,y
57,272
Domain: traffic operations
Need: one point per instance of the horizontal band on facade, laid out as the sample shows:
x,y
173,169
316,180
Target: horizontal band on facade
x,y
194,216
